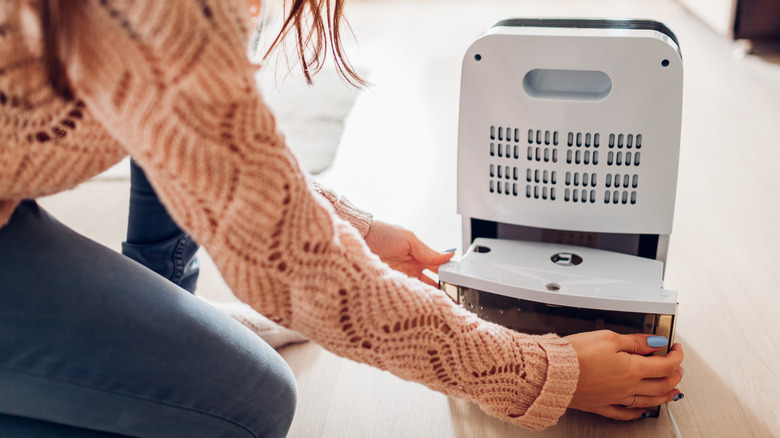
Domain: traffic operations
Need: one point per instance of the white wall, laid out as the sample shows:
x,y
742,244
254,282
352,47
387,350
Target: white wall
x,y
715,13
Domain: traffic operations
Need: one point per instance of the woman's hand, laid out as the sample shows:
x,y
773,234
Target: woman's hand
x,y
614,369
403,251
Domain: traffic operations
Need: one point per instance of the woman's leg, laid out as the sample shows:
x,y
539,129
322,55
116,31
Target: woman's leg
x,y
20,427
153,238
155,241
93,340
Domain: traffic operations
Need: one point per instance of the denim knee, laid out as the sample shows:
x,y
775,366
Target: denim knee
x,y
285,393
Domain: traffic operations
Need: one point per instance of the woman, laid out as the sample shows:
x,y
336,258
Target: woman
x,y
92,344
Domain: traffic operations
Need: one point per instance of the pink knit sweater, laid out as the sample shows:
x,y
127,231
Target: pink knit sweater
x,y
169,83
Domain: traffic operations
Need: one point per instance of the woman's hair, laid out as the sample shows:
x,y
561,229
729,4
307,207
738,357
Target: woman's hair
x,y
54,21
316,25
315,39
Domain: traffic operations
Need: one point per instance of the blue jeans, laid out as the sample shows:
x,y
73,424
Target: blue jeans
x,y
153,238
93,344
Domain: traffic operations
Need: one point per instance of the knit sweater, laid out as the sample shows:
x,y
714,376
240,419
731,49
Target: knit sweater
x,y
169,83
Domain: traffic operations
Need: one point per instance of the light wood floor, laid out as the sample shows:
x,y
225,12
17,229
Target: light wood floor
x,y
397,159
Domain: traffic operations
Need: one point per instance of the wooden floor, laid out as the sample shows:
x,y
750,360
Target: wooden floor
x,y
397,159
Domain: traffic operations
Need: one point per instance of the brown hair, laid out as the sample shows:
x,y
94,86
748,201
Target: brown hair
x,y
314,38
319,37
55,21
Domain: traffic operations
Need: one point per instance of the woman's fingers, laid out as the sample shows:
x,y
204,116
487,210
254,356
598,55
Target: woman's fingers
x,y
618,412
615,368
660,366
644,401
661,385
641,344
623,412
428,257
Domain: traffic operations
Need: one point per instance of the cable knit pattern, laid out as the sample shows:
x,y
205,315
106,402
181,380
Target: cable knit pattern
x,y
169,83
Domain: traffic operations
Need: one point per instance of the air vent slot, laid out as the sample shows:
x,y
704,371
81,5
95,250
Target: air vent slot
x,y
504,133
543,137
531,168
627,141
583,179
621,181
584,139
583,196
541,184
620,197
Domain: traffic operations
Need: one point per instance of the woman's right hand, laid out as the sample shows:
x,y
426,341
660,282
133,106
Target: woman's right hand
x,y
615,368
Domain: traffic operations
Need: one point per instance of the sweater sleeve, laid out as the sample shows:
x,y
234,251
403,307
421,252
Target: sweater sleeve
x,y
345,210
171,82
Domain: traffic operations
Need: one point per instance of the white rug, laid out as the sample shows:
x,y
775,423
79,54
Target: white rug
x,y
311,117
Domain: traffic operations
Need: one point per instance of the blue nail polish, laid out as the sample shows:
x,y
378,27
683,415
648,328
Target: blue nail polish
x,y
657,341
645,414
450,250
679,396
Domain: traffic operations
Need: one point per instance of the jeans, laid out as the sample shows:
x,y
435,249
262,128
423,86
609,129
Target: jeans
x,y
93,344
153,238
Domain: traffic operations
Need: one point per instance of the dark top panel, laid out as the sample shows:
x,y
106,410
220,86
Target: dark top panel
x,y
590,24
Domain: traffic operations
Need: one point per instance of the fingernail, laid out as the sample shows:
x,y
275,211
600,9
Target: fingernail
x,y
679,396
450,250
657,341
645,414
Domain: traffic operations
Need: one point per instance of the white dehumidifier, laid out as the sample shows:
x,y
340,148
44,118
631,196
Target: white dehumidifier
x,y
568,145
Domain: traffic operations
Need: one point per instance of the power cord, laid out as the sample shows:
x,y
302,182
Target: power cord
x,y
674,423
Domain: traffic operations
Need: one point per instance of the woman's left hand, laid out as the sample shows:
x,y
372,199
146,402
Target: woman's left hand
x,y
403,251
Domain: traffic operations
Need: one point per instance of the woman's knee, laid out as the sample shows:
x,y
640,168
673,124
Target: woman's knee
x,y
277,399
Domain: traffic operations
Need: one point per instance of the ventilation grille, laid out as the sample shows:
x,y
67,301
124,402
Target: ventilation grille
x,y
521,161
504,179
